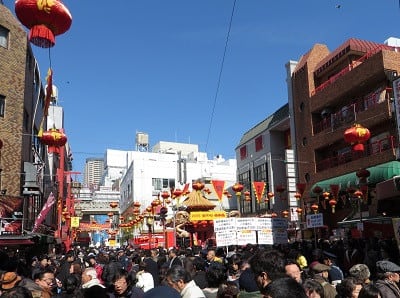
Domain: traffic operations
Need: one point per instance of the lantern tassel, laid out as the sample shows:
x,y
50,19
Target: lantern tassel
x,y
42,36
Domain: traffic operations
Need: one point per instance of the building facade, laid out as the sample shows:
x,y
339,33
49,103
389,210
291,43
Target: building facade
x,y
93,173
332,91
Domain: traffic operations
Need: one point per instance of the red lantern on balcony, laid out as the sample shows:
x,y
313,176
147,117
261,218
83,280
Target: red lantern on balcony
x,y
149,209
53,137
113,205
300,188
333,203
154,203
317,190
273,215
285,213
45,19
110,214
136,211
358,193
237,188
270,195
356,136
314,207
136,204
299,210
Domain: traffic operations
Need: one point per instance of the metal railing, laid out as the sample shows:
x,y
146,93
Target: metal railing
x,y
371,149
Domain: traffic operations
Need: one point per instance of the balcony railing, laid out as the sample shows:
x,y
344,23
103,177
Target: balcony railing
x,y
348,114
351,66
371,149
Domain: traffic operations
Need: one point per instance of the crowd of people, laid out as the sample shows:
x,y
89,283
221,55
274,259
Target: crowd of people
x,y
365,268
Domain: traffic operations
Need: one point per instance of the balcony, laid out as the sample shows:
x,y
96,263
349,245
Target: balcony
x,y
372,149
348,114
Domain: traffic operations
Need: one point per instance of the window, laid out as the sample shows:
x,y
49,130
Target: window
x,y
160,184
259,143
4,32
243,152
2,105
260,173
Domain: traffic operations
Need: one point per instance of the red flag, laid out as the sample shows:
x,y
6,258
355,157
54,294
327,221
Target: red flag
x,y
219,186
46,208
259,188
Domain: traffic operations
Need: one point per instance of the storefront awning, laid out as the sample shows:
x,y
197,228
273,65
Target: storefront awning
x,y
379,173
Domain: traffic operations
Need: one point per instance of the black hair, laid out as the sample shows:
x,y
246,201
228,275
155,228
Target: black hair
x,y
228,289
311,285
177,273
369,291
347,286
215,274
270,262
285,287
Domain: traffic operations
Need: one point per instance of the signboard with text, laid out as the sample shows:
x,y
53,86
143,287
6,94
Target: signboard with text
x,y
315,220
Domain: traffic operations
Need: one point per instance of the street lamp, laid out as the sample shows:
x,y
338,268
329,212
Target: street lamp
x,y
237,188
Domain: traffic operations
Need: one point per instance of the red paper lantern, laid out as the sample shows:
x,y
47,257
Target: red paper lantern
x,y
300,188
333,203
270,195
285,213
317,190
137,204
326,195
237,188
45,19
165,195
177,192
113,205
299,210
363,173
273,215
297,195
53,137
198,186
356,136
314,207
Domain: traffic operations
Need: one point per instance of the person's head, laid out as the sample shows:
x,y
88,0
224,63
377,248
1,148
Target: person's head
x,y
215,275
349,287
9,280
228,289
75,268
92,260
45,279
71,283
43,261
70,256
328,258
234,262
360,272
172,253
369,291
17,292
388,270
88,274
199,264
285,287
317,268
122,280
267,266
142,266
154,253
177,277
210,255
313,289
293,270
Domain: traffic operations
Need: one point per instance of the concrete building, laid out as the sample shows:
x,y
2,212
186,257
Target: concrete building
x,y
333,90
93,172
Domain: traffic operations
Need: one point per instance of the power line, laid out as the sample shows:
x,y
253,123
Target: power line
x,y
220,74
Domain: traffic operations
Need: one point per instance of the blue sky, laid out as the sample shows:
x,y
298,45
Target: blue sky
x,y
153,65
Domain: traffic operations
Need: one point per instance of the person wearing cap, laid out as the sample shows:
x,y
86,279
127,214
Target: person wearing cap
x,y
360,272
9,280
335,275
320,273
387,274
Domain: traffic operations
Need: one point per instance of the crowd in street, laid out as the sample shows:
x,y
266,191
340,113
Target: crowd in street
x,y
363,268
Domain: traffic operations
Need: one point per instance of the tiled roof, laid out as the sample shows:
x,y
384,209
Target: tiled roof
x,y
197,202
352,44
266,124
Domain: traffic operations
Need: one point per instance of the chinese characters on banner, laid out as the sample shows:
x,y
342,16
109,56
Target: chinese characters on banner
x,y
250,230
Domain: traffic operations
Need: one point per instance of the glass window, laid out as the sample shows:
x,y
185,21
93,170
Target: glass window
x,y
4,32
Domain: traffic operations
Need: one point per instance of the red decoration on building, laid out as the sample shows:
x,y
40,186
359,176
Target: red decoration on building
x,y
53,137
285,213
177,192
314,207
326,195
317,190
335,190
45,19
137,204
165,195
297,195
113,205
237,188
198,186
301,188
333,203
299,210
356,136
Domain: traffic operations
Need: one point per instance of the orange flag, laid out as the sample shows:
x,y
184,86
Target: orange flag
x,y
219,187
259,188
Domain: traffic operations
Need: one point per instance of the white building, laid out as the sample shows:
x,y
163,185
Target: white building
x,y
172,166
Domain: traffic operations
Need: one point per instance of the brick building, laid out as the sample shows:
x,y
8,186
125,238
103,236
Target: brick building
x,y
331,92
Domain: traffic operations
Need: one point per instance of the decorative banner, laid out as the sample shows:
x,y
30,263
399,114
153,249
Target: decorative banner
x,y
219,187
75,222
259,188
46,208
207,215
